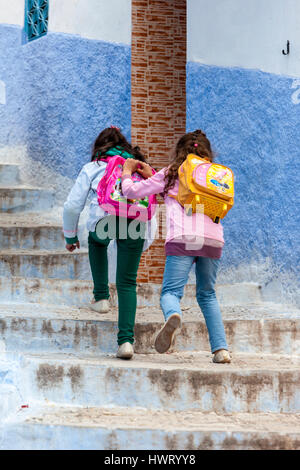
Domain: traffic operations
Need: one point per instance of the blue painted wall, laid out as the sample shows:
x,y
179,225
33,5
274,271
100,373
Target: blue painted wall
x,y
254,127
62,90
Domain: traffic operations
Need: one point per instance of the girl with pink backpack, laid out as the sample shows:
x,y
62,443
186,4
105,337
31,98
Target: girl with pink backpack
x,y
111,217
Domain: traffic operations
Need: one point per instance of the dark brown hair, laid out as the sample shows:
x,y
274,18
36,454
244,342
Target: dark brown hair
x,y
112,137
194,142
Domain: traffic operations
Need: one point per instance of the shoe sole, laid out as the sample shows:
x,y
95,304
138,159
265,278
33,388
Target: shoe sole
x,y
225,361
127,356
165,337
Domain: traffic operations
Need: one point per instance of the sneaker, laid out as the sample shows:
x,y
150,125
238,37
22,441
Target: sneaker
x,y
165,337
102,306
125,351
222,356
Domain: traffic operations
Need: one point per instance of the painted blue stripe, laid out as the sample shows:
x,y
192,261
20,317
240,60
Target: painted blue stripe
x,y
254,126
62,90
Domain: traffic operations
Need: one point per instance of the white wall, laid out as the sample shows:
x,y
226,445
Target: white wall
x,y
106,20
12,11
245,33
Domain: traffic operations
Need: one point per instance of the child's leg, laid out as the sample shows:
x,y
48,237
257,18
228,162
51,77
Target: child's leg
x,y
99,266
176,274
128,259
206,273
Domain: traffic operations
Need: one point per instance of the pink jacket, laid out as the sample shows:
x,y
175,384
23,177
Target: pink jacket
x,y
198,228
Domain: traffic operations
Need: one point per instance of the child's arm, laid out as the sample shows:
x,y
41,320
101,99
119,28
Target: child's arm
x,y
153,185
72,209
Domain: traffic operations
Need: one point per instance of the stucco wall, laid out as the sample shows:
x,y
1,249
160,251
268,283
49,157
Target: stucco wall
x,y
248,34
58,92
252,119
61,91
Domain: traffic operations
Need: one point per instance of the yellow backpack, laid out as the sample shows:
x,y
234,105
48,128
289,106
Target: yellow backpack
x,y
206,183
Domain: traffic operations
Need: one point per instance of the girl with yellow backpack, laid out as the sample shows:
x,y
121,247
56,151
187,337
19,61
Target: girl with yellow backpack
x,y
197,194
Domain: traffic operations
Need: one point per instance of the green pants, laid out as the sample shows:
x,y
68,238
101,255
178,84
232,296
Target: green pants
x,y
129,252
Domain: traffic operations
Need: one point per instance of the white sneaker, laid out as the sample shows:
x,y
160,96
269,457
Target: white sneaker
x,y
102,306
125,351
222,356
165,337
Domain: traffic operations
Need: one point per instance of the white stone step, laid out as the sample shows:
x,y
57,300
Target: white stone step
x,y
52,328
30,231
22,198
57,264
116,428
77,292
173,382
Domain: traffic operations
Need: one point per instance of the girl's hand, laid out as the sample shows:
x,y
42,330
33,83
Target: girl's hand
x,y
130,165
145,170
73,246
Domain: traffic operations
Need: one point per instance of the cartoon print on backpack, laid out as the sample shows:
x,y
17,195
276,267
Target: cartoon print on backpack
x,y
117,194
220,180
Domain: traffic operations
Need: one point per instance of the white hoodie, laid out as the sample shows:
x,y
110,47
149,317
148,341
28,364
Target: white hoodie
x,y
85,188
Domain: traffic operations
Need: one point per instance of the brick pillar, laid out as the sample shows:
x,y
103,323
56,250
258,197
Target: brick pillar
x,y
158,98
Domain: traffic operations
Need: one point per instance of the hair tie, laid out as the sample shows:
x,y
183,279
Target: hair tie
x,y
115,127
195,145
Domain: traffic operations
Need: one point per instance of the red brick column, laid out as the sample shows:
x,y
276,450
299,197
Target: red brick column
x,y
158,98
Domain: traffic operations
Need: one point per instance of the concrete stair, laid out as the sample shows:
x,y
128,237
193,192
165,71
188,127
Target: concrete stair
x,y
51,328
55,264
176,382
30,231
62,387
24,198
77,292
60,428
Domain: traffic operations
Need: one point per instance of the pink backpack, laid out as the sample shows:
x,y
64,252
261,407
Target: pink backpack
x,y
111,199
